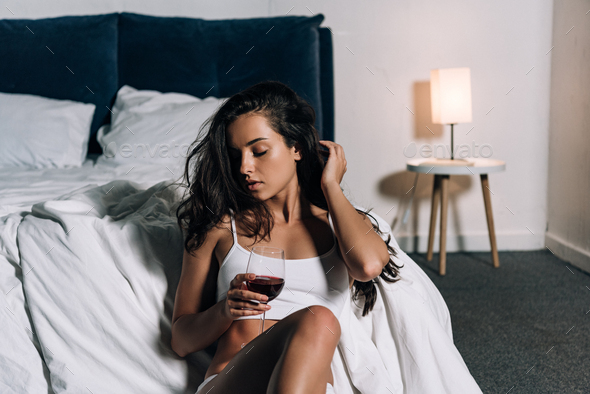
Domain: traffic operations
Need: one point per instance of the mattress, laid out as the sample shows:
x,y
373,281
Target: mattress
x,y
20,188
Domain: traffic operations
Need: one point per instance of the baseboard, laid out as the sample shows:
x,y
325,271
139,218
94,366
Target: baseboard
x,y
568,252
473,242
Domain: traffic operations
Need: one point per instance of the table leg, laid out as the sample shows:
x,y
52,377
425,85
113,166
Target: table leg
x,y
444,187
433,214
488,205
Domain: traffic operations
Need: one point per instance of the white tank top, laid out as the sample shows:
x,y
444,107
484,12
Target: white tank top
x,y
321,280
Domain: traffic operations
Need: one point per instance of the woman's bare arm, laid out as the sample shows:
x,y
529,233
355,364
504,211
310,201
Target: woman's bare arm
x,y
363,250
194,332
195,325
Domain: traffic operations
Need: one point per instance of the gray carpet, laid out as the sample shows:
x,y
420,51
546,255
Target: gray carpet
x,y
523,327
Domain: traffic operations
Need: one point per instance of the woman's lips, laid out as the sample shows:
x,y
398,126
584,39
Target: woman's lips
x,y
254,186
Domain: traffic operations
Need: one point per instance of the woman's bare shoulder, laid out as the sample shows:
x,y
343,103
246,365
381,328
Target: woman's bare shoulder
x,y
223,228
216,233
223,223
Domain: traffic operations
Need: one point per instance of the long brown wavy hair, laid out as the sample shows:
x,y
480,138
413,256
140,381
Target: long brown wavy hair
x,y
213,186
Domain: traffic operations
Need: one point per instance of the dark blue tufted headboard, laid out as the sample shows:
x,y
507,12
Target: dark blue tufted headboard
x,y
88,58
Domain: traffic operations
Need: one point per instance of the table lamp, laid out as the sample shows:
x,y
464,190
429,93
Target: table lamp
x,y
450,95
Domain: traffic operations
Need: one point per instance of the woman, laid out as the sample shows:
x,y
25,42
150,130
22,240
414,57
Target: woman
x,y
260,180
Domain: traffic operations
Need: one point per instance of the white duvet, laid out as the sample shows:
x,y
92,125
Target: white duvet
x,y
405,344
99,270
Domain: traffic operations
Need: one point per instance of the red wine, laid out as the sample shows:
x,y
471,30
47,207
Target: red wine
x,y
270,286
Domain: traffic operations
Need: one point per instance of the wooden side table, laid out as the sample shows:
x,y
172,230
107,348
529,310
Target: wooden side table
x,y
442,170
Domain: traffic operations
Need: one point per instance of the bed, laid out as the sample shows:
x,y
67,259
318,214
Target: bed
x,y
94,113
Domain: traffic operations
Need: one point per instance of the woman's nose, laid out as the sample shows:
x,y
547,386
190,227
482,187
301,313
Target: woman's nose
x,y
246,164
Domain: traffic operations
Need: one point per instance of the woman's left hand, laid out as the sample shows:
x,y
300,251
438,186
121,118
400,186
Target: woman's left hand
x,y
335,166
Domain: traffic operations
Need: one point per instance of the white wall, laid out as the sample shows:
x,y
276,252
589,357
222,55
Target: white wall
x,y
221,9
568,235
383,54
394,45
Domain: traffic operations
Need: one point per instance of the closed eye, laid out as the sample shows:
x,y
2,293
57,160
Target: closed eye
x,y
255,155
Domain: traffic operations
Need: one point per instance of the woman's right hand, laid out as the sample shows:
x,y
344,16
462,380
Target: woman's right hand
x,y
238,297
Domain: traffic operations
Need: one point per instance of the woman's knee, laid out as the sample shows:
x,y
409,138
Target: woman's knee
x,y
320,321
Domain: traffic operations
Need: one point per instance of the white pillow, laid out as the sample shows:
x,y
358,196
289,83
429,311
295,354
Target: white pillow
x,y
150,127
41,132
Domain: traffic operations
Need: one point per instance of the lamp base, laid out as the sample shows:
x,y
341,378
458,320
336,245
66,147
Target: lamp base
x,y
448,162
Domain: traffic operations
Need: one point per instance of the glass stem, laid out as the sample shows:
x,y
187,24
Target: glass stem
x,y
262,324
263,317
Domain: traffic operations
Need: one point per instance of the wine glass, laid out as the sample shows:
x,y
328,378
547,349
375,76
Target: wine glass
x,y
268,264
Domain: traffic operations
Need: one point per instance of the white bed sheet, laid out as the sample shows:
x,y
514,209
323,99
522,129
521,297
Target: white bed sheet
x,y
405,344
22,369
20,188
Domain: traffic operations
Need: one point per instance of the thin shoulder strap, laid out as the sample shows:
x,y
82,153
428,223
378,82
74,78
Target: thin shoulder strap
x,y
332,225
233,226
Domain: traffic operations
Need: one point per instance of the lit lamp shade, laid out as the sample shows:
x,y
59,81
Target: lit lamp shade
x,y
450,94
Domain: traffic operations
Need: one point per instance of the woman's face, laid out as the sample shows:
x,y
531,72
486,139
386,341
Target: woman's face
x,y
258,153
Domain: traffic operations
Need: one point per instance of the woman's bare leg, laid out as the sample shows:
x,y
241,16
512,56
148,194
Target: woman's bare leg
x,y
292,356
306,360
